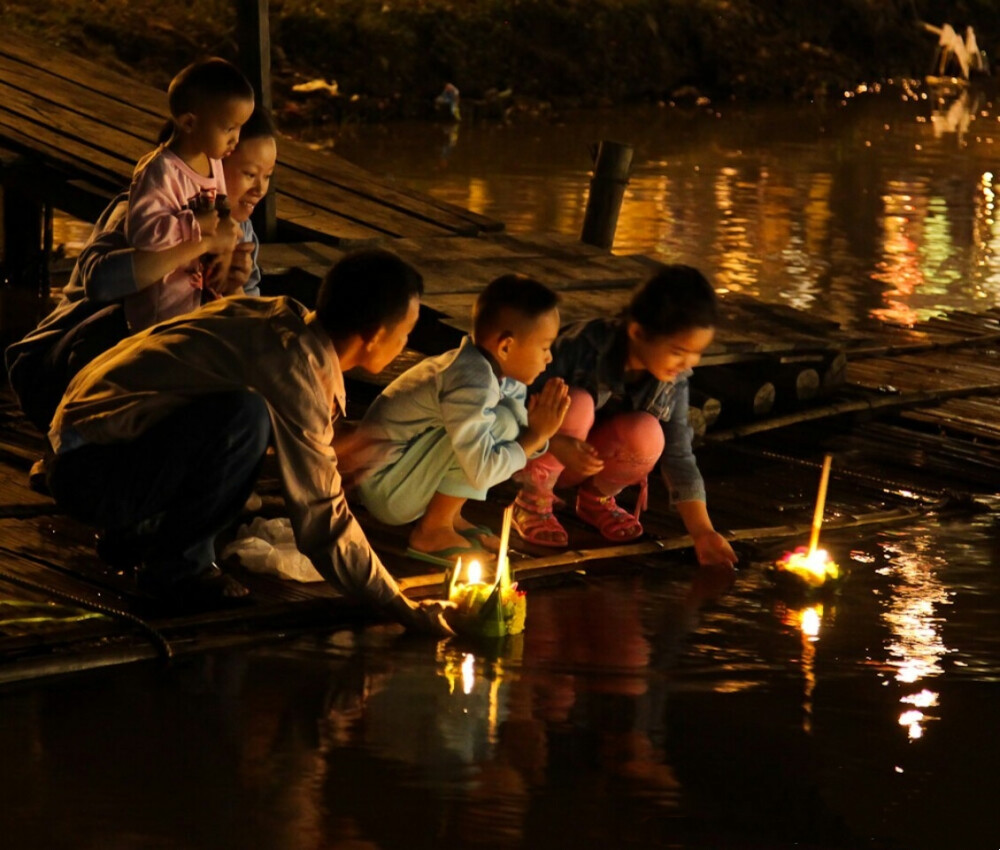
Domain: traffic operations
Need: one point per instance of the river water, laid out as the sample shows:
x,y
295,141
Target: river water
x,y
875,207
670,707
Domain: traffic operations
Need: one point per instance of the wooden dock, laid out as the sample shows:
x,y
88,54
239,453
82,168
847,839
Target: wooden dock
x,y
910,413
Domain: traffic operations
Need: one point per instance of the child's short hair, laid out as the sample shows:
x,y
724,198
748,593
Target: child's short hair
x,y
676,298
510,293
366,290
206,81
260,125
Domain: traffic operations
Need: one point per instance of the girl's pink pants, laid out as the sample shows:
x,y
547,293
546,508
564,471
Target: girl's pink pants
x,y
628,443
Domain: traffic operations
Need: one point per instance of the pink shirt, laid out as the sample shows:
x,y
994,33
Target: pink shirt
x,y
162,185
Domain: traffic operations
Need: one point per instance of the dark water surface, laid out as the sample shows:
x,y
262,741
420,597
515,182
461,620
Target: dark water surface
x,y
657,709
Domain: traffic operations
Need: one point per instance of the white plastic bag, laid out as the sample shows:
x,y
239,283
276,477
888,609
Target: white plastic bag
x,y
267,546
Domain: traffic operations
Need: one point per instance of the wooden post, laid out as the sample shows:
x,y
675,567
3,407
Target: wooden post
x,y
254,38
612,166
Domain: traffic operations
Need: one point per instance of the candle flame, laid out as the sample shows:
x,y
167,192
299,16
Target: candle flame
x,y
474,572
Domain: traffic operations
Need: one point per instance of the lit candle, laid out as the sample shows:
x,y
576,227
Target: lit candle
x,y
488,609
468,592
813,565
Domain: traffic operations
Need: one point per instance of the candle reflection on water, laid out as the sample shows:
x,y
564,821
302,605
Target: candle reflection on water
x,y
808,621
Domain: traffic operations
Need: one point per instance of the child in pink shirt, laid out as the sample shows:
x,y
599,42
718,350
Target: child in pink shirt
x,y
209,101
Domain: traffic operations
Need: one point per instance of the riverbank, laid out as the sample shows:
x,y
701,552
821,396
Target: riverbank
x,y
391,59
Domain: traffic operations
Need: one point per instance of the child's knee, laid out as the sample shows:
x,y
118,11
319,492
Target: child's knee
x,y
637,433
645,433
505,427
580,416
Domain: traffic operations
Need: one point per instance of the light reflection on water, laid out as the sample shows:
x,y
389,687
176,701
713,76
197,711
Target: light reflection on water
x,y
671,708
880,208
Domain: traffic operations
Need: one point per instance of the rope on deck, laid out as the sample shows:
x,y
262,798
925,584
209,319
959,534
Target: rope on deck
x,y
156,637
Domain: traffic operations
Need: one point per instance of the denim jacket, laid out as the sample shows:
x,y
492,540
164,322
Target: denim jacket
x,y
591,355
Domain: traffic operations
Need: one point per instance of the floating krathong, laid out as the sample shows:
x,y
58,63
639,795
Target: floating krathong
x,y
487,609
812,565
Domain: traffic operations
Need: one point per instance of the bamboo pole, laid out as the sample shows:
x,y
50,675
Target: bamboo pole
x,y
841,407
502,577
824,478
919,347
531,568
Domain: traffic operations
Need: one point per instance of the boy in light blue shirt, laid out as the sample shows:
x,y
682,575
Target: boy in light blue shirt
x,y
451,427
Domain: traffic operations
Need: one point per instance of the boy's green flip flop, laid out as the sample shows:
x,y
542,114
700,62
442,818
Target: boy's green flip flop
x,y
444,557
475,532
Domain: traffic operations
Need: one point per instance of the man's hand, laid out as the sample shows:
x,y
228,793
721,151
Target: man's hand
x,y
231,280
578,456
426,616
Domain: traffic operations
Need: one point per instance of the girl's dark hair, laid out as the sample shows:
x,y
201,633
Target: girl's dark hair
x,y
364,291
203,82
676,298
524,295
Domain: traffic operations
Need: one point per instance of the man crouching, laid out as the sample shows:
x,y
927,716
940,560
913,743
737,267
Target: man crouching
x,y
159,440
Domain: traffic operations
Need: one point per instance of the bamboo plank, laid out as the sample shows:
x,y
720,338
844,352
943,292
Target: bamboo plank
x,y
80,133
103,111
88,75
299,164
329,198
69,157
350,176
125,103
344,230
534,568
82,136
871,403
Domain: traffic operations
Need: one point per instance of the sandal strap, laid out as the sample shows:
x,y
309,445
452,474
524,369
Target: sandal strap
x,y
605,513
533,516
535,503
643,501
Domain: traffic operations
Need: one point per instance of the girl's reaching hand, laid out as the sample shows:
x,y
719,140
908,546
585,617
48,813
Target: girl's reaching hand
x,y
578,456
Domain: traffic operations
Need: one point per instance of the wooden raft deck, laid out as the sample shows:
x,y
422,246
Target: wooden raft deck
x,y
903,462
71,130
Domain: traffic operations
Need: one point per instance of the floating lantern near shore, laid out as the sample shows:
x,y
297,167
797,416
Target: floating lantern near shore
x,y
812,565
487,609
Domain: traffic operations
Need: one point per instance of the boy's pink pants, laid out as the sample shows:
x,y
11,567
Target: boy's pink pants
x,y
628,443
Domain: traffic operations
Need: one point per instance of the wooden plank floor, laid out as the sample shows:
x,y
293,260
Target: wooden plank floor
x,y
80,121
900,466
